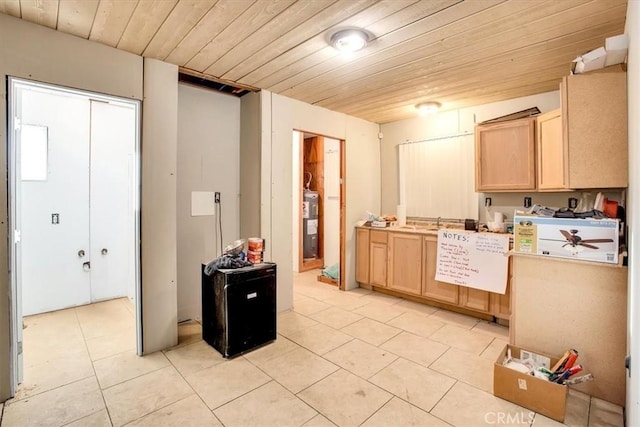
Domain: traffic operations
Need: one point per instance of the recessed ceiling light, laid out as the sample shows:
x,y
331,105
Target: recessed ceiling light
x,y
350,40
426,108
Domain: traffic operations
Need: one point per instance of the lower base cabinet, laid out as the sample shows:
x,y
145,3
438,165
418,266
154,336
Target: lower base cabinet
x,y
404,269
501,304
405,262
432,288
362,254
474,299
378,271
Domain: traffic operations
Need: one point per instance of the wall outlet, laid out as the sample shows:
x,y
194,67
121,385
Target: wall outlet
x,y
487,201
527,202
216,197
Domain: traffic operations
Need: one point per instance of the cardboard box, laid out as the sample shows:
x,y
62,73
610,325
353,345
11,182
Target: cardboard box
x,y
539,395
617,48
590,61
582,239
614,52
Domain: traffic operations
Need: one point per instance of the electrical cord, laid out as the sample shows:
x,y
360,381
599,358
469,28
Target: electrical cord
x,y
219,205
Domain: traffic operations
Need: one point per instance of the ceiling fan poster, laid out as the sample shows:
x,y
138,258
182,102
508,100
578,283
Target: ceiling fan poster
x,y
582,239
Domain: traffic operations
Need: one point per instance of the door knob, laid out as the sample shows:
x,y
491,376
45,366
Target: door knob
x,y
80,253
104,251
86,266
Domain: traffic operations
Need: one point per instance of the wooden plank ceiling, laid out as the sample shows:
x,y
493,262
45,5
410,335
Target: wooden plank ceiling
x,y
457,52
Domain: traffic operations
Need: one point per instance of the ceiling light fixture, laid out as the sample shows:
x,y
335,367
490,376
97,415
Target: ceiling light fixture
x,y
350,40
426,108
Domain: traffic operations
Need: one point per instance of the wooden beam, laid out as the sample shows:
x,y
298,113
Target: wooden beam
x,y
216,79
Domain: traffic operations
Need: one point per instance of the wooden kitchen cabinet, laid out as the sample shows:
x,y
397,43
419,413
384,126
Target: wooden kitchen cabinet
x,y
405,262
362,255
551,152
582,304
594,114
431,287
378,258
501,304
474,299
584,144
505,156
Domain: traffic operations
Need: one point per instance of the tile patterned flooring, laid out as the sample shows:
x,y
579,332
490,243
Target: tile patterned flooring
x,y
341,358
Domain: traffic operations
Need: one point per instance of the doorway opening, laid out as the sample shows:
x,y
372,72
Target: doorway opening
x,y
319,200
74,179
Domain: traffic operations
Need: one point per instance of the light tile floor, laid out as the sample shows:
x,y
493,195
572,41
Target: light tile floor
x,y
341,358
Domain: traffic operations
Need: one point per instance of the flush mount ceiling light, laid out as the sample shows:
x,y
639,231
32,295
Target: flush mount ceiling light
x,y
350,40
426,108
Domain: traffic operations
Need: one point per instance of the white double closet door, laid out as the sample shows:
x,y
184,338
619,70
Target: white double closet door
x,y
75,199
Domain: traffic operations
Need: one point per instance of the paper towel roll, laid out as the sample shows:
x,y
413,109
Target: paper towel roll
x,y
401,214
498,217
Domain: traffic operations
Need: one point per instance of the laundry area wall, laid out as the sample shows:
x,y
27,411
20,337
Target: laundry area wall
x,y
76,209
38,53
208,161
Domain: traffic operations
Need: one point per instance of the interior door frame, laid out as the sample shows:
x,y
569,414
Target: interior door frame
x,y
343,216
342,202
12,159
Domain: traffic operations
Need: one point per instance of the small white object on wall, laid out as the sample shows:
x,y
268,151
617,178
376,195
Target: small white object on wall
x,y
202,203
401,214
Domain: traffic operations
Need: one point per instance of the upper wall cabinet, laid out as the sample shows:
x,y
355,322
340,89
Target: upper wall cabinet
x,y
594,114
551,152
582,145
505,156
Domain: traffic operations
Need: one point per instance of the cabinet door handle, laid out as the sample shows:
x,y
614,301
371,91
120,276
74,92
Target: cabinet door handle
x,y
104,251
80,253
86,266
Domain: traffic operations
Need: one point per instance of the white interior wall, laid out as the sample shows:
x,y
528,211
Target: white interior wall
x,y
633,207
507,203
264,179
158,206
447,123
66,191
208,160
35,52
250,164
295,201
280,116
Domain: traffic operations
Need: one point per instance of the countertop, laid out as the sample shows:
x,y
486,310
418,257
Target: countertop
x,y
430,230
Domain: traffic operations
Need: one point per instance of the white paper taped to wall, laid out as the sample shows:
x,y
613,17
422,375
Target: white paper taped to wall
x,y
202,203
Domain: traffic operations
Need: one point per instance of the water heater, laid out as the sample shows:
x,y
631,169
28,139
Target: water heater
x,y
310,224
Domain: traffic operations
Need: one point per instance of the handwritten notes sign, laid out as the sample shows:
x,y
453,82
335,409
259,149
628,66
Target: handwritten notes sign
x,y
476,260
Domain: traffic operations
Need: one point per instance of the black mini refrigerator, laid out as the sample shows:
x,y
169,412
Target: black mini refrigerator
x,y
239,308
